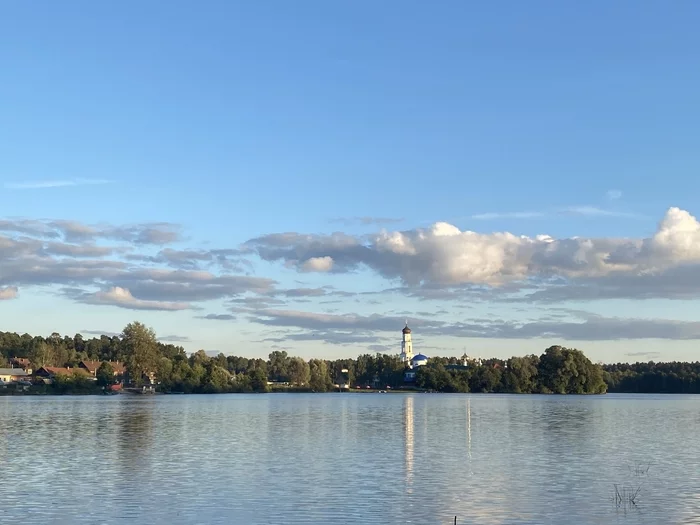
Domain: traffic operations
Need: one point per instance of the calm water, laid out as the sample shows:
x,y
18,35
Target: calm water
x,y
348,458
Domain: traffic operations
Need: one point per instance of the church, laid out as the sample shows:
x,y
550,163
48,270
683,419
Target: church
x,y
410,361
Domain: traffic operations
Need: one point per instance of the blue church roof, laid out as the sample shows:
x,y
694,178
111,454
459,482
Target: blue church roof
x,y
420,357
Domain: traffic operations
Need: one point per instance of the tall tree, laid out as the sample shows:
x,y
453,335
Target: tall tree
x,y
140,348
299,371
320,377
42,354
278,366
258,381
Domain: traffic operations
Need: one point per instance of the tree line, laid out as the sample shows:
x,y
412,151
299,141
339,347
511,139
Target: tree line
x,y
558,370
651,378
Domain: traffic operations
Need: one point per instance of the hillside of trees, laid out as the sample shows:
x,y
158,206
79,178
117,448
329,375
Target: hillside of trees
x,y
558,370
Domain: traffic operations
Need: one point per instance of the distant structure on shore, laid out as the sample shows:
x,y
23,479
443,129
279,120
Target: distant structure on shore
x,y
412,362
406,345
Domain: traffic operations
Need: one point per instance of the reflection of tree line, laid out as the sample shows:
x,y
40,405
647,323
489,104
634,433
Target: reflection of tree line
x,y
134,430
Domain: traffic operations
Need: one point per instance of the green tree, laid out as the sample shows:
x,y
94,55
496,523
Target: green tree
x,y
258,381
299,371
217,379
199,357
105,374
320,378
140,348
566,371
520,377
164,372
41,354
278,366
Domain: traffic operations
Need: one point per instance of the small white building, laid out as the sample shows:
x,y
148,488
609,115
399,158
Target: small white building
x,y
12,375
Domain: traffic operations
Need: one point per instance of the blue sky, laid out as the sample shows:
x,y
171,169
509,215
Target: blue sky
x,y
216,126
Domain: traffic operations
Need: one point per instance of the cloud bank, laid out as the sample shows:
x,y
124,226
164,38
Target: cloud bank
x,y
145,267
442,257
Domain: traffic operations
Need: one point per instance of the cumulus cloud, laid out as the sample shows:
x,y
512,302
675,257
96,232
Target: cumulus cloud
x,y
444,257
122,298
613,195
8,292
318,264
132,269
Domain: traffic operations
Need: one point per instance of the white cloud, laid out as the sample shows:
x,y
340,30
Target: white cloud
x,y
318,264
444,256
122,297
677,237
613,195
43,184
8,292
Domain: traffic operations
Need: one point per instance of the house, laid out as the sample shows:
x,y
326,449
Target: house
x,y
92,366
12,375
21,362
49,373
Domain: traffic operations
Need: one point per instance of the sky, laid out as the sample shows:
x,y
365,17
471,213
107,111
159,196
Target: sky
x,y
307,176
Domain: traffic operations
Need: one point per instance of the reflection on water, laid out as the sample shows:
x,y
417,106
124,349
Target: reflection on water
x,y
348,458
408,441
469,433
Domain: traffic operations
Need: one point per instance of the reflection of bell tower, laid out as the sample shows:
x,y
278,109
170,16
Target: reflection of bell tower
x,y
408,436
406,345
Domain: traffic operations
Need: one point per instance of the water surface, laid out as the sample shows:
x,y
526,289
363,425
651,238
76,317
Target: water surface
x,y
349,458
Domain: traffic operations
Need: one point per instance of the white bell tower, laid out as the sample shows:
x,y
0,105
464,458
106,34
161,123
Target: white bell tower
x,y
406,345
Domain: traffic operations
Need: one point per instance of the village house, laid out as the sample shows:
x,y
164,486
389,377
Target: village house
x,y
49,373
21,362
12,375
92,366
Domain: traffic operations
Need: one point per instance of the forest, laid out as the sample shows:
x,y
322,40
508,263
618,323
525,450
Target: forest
x,y
558,370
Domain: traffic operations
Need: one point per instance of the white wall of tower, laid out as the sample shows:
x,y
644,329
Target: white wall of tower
x,y
407,347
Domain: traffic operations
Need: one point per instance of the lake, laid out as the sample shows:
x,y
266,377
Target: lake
x,y
356,458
